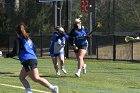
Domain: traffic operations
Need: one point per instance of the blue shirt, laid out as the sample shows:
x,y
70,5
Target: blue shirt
x,y
27,52
57,43
78,37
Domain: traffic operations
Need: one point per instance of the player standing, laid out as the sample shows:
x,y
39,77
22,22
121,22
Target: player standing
x,y
24,48
57,49
78,40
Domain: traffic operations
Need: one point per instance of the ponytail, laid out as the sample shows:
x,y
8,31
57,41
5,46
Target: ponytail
x,y
80,16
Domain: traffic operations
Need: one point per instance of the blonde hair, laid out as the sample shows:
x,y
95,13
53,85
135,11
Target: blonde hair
x,y
80,16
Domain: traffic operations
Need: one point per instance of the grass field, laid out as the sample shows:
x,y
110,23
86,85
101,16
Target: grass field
x,y
102,77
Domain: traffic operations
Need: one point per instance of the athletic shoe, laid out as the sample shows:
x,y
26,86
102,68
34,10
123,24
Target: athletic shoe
x,y
29,92
84,69
64,71
55,90
77,74
58,73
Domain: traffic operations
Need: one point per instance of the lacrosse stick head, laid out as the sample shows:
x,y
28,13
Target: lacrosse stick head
x,y
99,25
128,38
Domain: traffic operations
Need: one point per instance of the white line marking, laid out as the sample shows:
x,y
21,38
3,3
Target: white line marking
x,y
7,85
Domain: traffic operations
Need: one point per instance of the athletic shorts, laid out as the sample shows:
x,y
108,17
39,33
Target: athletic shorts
x,y
29,64
80,47
58,54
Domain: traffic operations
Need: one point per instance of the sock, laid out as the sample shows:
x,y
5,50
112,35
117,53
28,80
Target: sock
x,y
79,71
28,90
51,87
62,67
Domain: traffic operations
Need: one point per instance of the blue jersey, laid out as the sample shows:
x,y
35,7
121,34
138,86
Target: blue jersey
x,y
27,52
79,37
57,44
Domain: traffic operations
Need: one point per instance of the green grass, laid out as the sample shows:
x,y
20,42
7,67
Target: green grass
x,y
102,76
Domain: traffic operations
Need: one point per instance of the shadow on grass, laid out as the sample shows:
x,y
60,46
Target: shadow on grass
x,y
135,61
54,76
134,87
14,76
127,68
5,73
49,76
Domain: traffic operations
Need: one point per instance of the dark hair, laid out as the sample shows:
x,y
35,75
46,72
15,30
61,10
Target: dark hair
x,y
57,28
22,32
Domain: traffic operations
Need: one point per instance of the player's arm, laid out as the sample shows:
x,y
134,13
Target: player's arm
x,y
34,48
71,39
66,36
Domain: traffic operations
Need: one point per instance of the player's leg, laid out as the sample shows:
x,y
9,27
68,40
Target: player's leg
x,y
80,58
78,65
34,74
61,59
22,77
82,53
55,63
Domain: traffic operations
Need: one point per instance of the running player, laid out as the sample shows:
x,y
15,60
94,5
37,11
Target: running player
x,y
57,49
24,48
78,40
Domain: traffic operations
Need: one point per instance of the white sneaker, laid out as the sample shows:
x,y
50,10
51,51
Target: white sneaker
x,y
84,69
55,90
29,92
77,74
58,73
64,71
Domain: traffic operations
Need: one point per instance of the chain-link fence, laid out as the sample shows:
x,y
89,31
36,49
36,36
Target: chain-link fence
x,y
107,46
118,17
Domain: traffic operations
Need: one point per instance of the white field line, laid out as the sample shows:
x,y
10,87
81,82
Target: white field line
x,y
7,85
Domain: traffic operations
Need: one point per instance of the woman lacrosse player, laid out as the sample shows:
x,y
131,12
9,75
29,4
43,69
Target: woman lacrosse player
x,y
78,40
24,48
57,49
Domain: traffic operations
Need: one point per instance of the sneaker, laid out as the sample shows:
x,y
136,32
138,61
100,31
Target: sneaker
x,y
55,90
64,71
84,69
58,73
29,92
77,74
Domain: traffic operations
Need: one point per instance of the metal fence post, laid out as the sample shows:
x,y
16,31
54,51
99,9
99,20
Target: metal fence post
x,y
97,56
68,24
132,52
114,30
91,19
8,43
41,48
114,48
55,12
